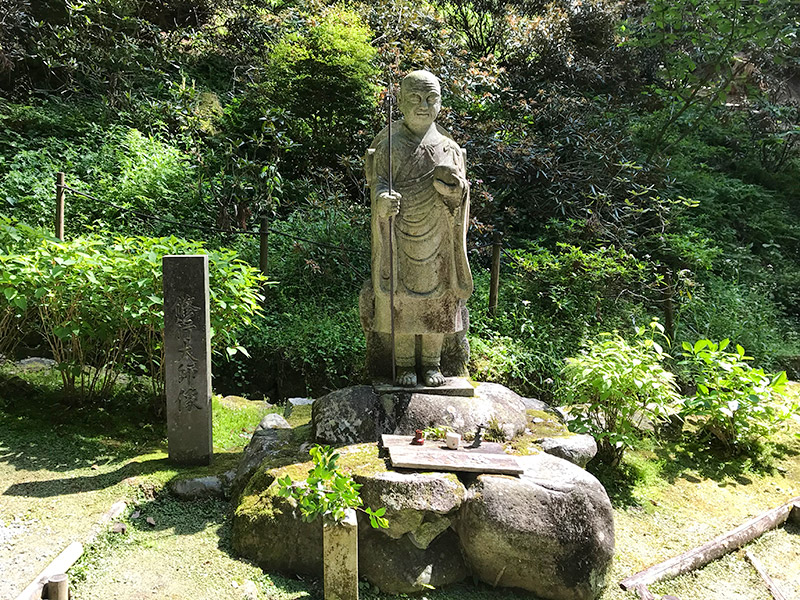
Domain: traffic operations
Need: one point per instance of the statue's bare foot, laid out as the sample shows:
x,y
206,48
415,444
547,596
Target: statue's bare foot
x,y
434,378
407,378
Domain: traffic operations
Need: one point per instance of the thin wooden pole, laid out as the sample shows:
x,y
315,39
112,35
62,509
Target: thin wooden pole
x,y
494,289
773,588
263,254
60,183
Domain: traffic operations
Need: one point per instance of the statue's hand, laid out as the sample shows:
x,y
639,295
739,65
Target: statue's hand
x,y
449,183
389,204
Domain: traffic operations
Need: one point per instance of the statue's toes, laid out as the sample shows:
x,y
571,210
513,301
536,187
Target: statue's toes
x,y
407,379
434,378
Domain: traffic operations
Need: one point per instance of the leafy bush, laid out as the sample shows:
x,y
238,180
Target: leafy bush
x,y
618,385
734,402
549,301
327,492
322,72
99,304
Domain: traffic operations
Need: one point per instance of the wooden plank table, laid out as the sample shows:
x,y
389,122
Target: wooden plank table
x,y
489,457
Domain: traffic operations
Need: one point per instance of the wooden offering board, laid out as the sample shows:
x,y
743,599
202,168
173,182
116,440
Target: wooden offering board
x,y
434,456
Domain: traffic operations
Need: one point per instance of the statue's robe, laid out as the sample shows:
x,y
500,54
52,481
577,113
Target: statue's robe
x,y
431,275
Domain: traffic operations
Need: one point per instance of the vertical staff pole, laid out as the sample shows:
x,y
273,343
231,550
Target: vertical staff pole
x,y
494,286
263,248
60,183
390,98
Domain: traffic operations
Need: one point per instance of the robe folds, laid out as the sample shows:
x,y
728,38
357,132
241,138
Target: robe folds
x,y
431,273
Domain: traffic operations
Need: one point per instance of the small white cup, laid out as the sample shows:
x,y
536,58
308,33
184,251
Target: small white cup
x,y
452,440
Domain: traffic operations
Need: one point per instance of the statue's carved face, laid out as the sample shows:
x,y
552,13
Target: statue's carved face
x,y
420,102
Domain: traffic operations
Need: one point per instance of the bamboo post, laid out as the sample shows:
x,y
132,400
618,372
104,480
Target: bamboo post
x,y
60,183
494,289
263,250
58,587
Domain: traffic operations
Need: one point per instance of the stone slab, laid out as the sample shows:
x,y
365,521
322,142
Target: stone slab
x,y
395,441
187,358
453,386
438,459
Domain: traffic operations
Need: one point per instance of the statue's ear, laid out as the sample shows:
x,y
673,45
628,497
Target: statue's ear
x,y
464,155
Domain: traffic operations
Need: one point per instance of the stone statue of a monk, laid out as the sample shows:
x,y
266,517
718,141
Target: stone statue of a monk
x,y
429,202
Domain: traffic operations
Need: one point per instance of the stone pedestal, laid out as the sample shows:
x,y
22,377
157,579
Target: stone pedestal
x,y
187,359
340,551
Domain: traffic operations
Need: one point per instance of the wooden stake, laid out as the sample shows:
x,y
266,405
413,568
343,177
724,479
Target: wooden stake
x,y
773,588
58,587
494,286
60,179
719,546
263,254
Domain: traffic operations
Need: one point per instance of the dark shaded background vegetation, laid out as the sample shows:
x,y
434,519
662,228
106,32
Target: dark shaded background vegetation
x,y
640,159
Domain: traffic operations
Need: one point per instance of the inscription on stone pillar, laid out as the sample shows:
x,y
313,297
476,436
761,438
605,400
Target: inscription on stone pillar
x,y
187,356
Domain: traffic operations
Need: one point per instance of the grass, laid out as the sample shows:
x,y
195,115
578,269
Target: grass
x,y
62,467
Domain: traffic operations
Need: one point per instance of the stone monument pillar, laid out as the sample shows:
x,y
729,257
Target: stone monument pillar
x,y
187,359
420,216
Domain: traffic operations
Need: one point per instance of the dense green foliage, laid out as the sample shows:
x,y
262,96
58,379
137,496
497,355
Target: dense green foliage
x,y
619,385
97,302
640,158
734,402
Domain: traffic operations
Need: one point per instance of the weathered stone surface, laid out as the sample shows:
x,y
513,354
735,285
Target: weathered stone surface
x,y
399,567
420,209
266,529
535,404
491,403
358,414
348,416
200,487
455,347
187,358
272,421
35,363
300,401
263,443
578,449
411,499
551,531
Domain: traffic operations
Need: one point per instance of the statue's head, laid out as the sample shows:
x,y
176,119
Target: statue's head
x,y
420,99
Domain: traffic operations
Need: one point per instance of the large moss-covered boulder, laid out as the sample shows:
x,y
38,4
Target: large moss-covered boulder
x,y
268,529
550,531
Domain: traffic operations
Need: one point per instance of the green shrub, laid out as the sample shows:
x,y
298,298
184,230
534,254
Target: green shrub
x,y
720,308
327,492
98,303
733,402
618,385
323,74
549,301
